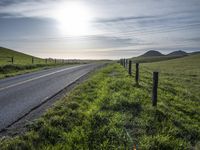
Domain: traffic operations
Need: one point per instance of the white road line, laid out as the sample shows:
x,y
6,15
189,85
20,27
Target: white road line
x,y
19,83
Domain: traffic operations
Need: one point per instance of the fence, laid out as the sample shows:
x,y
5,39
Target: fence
x,y
8,59
125,63
34,60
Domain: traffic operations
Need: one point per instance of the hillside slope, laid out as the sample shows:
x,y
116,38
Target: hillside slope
x,y
178,53
19,58
187,65
152,53
155,56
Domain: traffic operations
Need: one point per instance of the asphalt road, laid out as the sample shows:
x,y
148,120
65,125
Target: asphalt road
x,y
20,94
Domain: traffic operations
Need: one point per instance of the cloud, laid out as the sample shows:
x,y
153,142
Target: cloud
x,y
120,19
24,8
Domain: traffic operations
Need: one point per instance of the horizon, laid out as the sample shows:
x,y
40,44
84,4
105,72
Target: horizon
x,y
99,30
145,52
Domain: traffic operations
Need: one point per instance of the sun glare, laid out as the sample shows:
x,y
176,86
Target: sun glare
x,y
73,18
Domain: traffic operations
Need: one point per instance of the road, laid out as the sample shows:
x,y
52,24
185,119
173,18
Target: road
x,y
20,94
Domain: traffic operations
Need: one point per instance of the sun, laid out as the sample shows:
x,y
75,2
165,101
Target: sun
x,y
74,18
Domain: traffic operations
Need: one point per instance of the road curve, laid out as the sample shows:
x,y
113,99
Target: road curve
x,y
20,94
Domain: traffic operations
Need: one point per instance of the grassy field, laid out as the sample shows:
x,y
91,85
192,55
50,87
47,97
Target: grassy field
x,y
13,70
153,58
19,58
109,111
23,63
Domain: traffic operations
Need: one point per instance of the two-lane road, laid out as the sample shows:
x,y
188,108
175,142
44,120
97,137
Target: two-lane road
x,y
20,94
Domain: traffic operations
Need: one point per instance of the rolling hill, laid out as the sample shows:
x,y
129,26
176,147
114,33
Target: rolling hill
x,y
178,53
19,58
152,53
154,56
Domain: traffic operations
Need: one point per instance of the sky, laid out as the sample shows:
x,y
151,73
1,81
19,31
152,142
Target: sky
x,y
99,29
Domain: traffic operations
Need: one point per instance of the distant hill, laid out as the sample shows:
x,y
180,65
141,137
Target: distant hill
x,y
194,53
153,56
178,53
19,58
152,53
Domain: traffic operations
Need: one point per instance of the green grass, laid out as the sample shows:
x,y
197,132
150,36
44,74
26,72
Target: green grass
x,y
109,111
153,59
23,63
13,70
19,58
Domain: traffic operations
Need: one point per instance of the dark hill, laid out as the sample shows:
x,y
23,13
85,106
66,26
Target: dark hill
x,y
178,53
152,53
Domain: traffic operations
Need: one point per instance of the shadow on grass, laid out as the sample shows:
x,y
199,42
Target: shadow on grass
x,y
124,106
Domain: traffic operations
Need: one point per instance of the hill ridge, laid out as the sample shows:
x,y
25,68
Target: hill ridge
x,y
151,53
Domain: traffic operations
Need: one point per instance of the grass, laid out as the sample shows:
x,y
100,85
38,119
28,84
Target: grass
x,y
153,59
23,63
109,111
19,58
13,70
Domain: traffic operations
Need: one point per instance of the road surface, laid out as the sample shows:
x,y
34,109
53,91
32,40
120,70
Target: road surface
x,y
20,94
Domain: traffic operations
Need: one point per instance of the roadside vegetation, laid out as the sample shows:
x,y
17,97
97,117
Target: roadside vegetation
x,y
19,58
108,111
22,63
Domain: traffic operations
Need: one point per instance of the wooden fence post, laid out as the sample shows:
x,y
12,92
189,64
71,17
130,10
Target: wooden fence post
x,y
32,60
126,63
12,60
155,88
137,74
130,68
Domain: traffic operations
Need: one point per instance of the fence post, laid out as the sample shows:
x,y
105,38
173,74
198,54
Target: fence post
x,y
130,68
32,60
55,61
46,60
155,88
137,74
12,60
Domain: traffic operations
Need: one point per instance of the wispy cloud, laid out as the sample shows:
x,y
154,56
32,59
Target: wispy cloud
x,y
120,19
32,8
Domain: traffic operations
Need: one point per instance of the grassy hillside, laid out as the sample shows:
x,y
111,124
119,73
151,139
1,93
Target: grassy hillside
x,y
110,112
23,63
153,58
19,58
